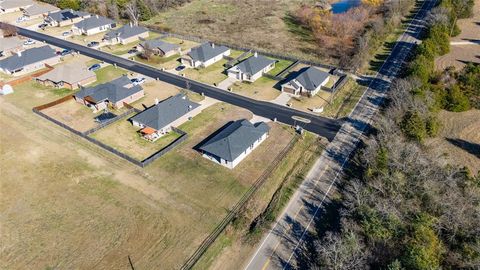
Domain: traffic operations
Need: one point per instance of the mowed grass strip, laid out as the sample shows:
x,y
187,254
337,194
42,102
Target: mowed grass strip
x,y
263,89
214,73
280,65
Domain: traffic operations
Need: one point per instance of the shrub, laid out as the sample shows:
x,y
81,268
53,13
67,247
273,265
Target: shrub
x,y
456,100
413,126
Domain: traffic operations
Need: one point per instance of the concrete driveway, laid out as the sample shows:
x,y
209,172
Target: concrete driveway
x,y
225,84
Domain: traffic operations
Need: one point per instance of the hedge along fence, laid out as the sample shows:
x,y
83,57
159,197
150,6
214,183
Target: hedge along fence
x,y
232,46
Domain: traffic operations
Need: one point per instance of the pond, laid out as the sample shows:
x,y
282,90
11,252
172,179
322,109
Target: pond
x,y
344,5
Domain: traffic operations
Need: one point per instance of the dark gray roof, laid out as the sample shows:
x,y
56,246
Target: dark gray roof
x,y
113,91
310,78
234,139
126,31
161,45
254,64
206,51
93,22
165,112
27,57
66,14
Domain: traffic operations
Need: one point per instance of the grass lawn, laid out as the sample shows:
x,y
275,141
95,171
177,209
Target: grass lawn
x,y
31,94
235,53
211,74
159,61
73,114
262,89
123,136
344,100
280,66
84,40
109,73
184,44
309,103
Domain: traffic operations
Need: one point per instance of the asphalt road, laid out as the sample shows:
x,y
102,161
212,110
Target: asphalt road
x,y
322,126
288,244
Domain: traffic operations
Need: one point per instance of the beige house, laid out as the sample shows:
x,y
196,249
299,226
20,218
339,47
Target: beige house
x,y
111,94
10,45
38,10
204,55
252,68
70,76
307,82
126,34
8,6
65,17
29,61
160,47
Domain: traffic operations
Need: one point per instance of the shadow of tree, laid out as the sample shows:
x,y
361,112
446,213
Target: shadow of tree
x,y
472,148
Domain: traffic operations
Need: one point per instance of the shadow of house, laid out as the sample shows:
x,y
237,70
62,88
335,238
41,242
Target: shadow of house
x,y
472,148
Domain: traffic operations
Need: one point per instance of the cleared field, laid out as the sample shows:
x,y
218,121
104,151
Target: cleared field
x,y
73,114
264,24
153,90
321,99
214,73
124,137
459,140
160,62
262,89
31,94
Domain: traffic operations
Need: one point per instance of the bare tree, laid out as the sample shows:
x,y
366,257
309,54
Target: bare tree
x,y
132,11
8,29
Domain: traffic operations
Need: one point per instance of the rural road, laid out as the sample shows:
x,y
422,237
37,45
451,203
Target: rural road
x,y
322,126
287,245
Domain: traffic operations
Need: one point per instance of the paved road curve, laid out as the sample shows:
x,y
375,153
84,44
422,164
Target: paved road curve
x,y
320,125
287,244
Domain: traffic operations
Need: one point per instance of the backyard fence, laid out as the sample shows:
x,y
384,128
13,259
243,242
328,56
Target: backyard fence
x,y
168,148
207,242
29,77
109,121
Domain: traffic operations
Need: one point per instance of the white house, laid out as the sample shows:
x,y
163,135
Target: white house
x,y
234,142
204,55
157,120
126,34
29,60
93,25
252,68
7,6
307,83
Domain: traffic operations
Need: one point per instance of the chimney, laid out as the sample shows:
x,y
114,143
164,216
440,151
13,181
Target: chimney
x,y
255,54
156,101
213,45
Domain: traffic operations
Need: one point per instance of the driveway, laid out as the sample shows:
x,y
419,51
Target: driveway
x,y
282,99
225,84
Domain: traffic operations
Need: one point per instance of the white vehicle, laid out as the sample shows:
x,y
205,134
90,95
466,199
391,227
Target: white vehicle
x,y
29,42
21,19
137,81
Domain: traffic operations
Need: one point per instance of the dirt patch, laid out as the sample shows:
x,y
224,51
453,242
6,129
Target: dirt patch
x,y
73,114
459,141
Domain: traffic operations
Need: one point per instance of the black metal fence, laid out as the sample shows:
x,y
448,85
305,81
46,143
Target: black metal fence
x,y
168,148
110,121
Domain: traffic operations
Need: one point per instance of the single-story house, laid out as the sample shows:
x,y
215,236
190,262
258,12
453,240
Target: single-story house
x,y
70,76
65,17
38,10
113,93
93,25
307,83
204,55
126,34
29,60
157,120
10,45
252,68
233,143
7,6
160,47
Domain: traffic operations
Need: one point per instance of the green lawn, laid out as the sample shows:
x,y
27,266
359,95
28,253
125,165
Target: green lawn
x,y
280,66
344,100
159,61
108,73
211,74
262,89
31,94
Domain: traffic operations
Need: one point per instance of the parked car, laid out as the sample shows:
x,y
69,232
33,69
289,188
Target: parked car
x,y
42,26
94,67
180,68
66,52
132,51
29,42
137,81
67,33
21,19
93,44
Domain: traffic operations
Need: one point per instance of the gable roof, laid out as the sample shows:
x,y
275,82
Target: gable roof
x,y
162,114
37,9
206,51
161,45
126,31
27,57
112,91
93,22
254,64
70,73
234,139
9,4
66,14
310,78
10,43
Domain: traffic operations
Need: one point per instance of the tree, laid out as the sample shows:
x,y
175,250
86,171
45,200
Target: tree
x,y
456,100
8,29
341,252
69,4
145,13
413,126
131,8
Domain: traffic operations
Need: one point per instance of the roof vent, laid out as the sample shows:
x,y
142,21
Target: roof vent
x,y
184,97
156,101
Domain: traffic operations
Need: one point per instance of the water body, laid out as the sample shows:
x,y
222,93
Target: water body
x,y
344,5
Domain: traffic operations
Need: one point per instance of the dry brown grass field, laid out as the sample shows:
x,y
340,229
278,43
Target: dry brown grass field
x,y
69,204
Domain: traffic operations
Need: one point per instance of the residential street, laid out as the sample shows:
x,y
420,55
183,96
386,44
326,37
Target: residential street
x,y
320,125
287,244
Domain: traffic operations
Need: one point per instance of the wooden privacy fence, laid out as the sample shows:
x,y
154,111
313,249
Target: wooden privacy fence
x,y
53,103
29,77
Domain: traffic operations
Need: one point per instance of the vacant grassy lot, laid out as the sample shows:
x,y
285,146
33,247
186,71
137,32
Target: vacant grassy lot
x,y
73,114
214,73
159,61
109,73
264,24
321,99
262,89
123,136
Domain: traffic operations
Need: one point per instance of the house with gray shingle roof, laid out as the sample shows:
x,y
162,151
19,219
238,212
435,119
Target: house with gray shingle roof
x,y
157,120
38,10
114,94
307,82
126,34
29,60
160,47
234,142
204,55
7,6
252,68
93,25
65,17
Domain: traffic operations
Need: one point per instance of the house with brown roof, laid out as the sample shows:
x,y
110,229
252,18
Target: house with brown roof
x,y
70,76
38,10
